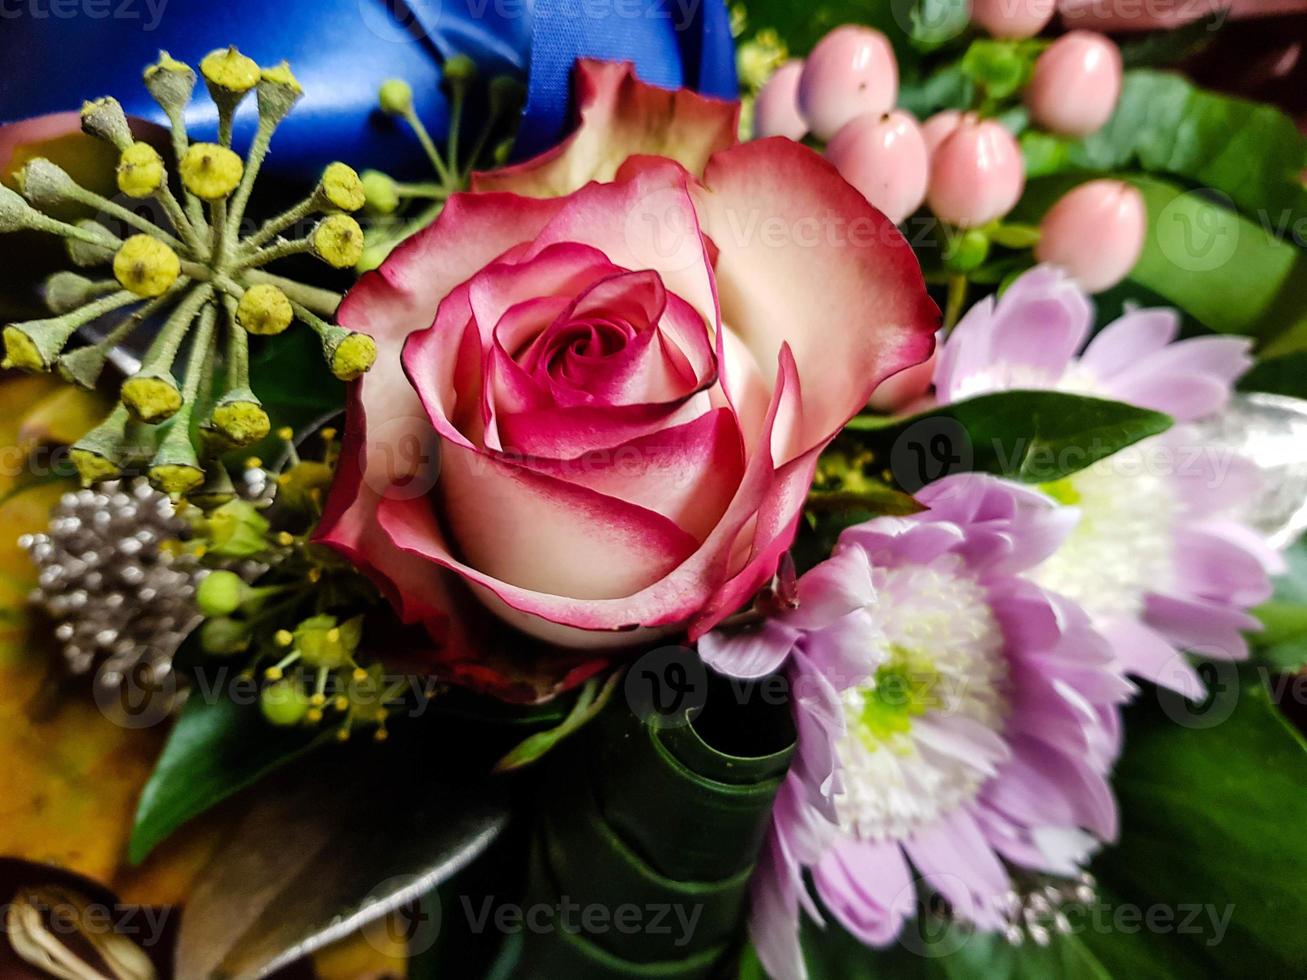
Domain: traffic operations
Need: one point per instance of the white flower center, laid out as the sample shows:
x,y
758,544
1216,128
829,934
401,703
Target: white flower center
x,y
925,733
1123,545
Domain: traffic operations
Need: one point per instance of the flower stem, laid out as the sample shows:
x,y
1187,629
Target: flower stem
x,y
957,300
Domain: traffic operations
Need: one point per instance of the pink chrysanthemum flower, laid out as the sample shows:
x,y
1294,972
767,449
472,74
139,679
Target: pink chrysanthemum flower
x,y
1156,559
954,718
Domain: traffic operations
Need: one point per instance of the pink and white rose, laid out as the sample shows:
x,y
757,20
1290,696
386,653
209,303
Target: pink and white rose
x,y
604,380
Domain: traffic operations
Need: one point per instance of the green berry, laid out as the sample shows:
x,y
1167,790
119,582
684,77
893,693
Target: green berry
x,y
283,703
220,593
223,636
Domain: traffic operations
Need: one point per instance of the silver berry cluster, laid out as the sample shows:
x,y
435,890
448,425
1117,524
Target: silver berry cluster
x,y
119,598
1037,913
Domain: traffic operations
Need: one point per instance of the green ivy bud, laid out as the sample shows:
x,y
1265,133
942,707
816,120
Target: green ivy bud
x,y
396,97
104,119
380,192
223,637
284,703
220,593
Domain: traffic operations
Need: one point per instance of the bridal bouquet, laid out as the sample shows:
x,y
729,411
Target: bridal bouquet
x,y
850,530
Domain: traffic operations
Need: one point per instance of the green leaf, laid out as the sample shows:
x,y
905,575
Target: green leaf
x,y
589,703
1212,810
936,950
1163,48
636,814
998,67
1250,152
216,749
1033,436
1283,640
936,22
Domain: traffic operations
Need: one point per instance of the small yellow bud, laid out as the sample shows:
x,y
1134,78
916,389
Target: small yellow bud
x,y
313,716
151,397
353,357
140,170
146,266
286,433
210,171
228,69
93,467
280,74
176,479
340,703
242,421
285,539
283,638
21,352
342,188
317,700
396,97
264,310
460,69
273,673
338,241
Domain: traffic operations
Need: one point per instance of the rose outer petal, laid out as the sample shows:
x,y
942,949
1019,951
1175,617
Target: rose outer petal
x,y
621,117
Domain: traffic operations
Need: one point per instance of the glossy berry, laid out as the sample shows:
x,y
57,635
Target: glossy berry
x,y
850,72
976,174
1095,233
1075,85
1012,18
776,110
885,158
938,126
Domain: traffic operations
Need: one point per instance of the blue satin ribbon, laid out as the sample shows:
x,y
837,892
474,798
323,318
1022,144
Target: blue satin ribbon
x,y
341,50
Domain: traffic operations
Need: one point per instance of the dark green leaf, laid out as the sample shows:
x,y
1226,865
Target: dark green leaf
x,y
644,816
935,950
1248,151
216,748
1212,807
1161,49
1033,436
1279,376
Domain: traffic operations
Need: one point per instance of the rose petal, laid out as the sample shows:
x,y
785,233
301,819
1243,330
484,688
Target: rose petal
x,y
621,116
868,318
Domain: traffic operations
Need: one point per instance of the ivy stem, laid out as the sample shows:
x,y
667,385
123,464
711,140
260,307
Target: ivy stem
x,y
318,300
957,300
163,352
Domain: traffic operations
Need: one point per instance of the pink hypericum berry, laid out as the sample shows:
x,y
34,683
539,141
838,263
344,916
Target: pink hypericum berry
x,y
776,111
938,126
850,72
1012,18
1095,233
1076,83
885,158
976,174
